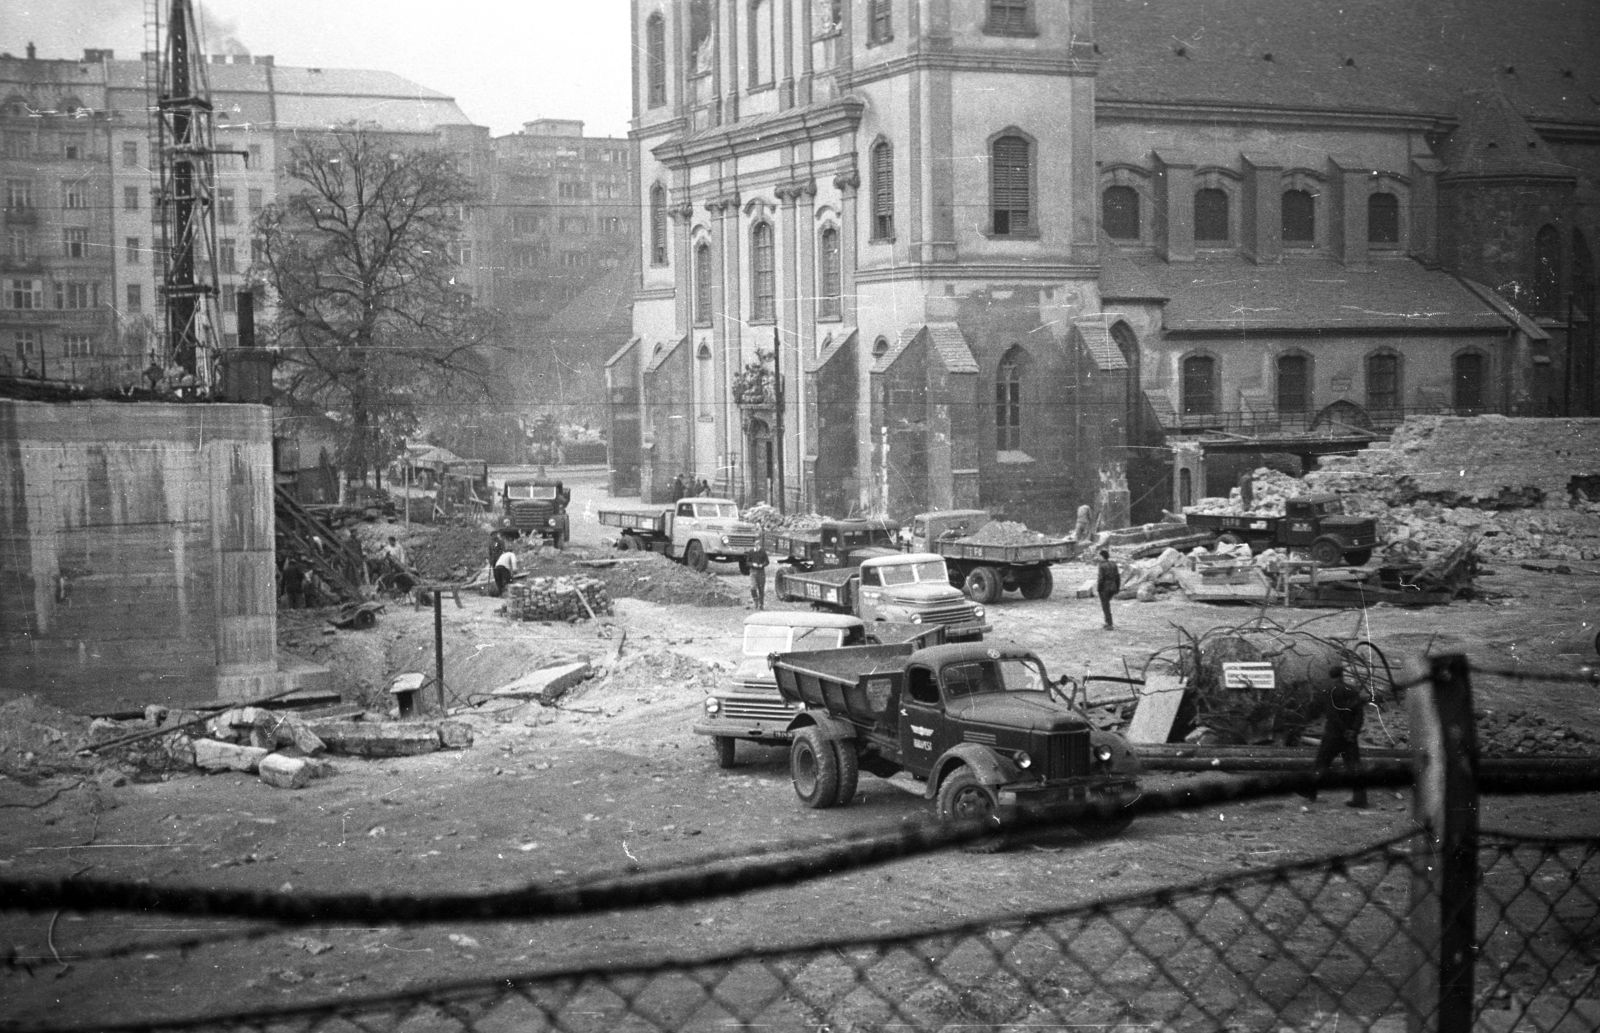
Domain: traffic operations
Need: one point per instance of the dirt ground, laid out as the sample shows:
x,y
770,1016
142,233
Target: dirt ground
x,y
613,777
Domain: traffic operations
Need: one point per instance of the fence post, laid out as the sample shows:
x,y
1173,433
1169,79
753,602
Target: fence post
x,y
1444,874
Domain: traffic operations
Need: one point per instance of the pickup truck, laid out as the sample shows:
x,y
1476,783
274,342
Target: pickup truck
x,y
986,571
834,543
1313,522
909,587
692,531
537,508
981,725
750,708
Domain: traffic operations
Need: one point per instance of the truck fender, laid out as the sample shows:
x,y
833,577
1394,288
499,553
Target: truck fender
x,y
991,768
1123,760
831,727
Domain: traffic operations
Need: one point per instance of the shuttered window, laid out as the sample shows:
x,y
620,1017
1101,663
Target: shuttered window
x,y
882,191
1010,185
1009,17
655,49
881,29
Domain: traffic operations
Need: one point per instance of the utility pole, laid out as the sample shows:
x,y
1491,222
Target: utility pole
x,y
777,404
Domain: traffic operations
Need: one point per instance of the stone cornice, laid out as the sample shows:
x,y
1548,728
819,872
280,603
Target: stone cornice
x,y
766,134
1192,111
682,212
1018,62
846,182
1005,272
728,202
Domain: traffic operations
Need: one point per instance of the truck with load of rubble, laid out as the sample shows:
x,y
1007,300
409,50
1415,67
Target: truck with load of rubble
x,y
750,708
834,543
537,508
905,587
988,558
693,531
1314,523
980,725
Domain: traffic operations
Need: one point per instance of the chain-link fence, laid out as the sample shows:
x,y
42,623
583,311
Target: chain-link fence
x,y
1357,941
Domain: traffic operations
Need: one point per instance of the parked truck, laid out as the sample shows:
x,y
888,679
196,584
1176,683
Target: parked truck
x,y
1315,523
908,587
692,531
750,708
537,508
980,725
834,543
987,570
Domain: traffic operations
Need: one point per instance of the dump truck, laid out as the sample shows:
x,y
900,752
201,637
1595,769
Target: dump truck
x,y
1315,523
980,725
693,531
537,508
750,708
834,543
908,587
985,569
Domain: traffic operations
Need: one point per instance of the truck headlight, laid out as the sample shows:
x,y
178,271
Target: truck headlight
x,y
724,539
713,706
551,522
1102,753
977,612
1023,760
916,618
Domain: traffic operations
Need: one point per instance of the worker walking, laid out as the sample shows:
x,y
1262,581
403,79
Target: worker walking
x,y
1107,584
758,573
504,567
1344,711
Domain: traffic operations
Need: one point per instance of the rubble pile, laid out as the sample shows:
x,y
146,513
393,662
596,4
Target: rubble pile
x,y
558,599
1006,532
656,667
38,741
446,552
653,577
1518,732
768,518
1270,489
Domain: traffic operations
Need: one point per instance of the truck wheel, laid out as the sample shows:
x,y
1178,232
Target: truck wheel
x,y
695,557
983,585
1037,583
1229,539
626,543
1358,558
849,771
963,798
1326,552
726,749
814,769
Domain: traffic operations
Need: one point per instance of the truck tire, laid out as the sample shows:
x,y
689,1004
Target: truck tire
x,y
694,557
814,769
626,543
726,748
1326,552
983,585
849,771
1358,558
1036,583
1229,539
963,798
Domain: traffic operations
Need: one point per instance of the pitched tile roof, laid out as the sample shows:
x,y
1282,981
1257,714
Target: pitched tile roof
x,y
1232,293
1120,279
951,346
1400,56
898,348
1495,140
1096,337
835,342
663,352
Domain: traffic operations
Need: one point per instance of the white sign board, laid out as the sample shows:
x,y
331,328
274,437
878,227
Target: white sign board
x,y
1248,674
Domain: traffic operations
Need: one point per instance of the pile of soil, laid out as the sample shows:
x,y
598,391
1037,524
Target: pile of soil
x,y
38,741
1006,532
768,518
1504,733
447,552
655,578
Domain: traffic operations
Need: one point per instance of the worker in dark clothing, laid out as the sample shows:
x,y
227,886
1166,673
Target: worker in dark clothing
x,y
703,488
677,487
758,561
1344,711
294,583
1247,490
1107,584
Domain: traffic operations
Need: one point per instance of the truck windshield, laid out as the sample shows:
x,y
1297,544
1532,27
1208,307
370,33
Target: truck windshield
x,y
1012,674
759,641
716,510
530,491
909,573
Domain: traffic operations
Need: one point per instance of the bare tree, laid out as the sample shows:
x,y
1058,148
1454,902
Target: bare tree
x,y
368,312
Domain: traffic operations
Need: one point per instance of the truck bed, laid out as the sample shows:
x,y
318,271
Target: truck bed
x,y
1059,551
854,683
826,587
1256,523
642,518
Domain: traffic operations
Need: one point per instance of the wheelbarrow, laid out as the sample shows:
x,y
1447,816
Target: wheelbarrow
x,y
359,616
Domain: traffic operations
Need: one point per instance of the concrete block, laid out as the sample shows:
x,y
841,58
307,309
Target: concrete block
x,y
455,735
284,772
548,684
223,756
377,738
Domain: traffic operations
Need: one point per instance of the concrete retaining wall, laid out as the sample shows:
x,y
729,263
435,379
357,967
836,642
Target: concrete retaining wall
x,y
136,553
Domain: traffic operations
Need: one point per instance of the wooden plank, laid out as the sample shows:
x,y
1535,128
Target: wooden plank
x,y
1157,709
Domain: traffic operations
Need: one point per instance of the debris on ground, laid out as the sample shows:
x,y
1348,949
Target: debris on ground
x,y
768,518
659,580
547,684
558,599
1006,532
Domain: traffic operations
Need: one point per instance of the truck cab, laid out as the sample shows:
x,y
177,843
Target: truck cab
x,y
1318,523
927,528
915,587
537,508
837,543
703,529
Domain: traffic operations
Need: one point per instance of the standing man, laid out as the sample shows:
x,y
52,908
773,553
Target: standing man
x,y
677,487
1344,710
395,553
294,582
1107,584
504,567
704,488
758,573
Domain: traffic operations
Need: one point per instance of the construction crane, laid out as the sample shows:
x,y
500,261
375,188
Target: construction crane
x,y
184,147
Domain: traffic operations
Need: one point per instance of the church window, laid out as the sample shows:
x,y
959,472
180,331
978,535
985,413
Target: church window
x,y
1299,217
1119,213
1211,216
828,302
1383,218
1008,401
1199,385
1383,382
1547,271
1469,374
1294,383
655,51
658,225
702,284
882,191
763,291
1011,185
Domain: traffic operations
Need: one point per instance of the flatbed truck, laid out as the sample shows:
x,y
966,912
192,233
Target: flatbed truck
x,y
693,531
984,571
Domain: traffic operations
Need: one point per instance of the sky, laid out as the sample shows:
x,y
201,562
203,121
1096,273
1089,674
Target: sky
x,y
505,62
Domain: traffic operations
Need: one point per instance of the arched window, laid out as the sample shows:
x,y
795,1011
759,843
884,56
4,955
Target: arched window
x,y
1383,382
829,289
1383,218
1133,398
1199,385
1547,271
655,58
760,55
882,191
1008,400
1011,185
1294,383
658,225
880,347
763,289
1119,213
1211,216
1299,217
1469,376
702,283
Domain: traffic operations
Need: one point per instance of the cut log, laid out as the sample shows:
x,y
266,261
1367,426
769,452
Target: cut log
x,y
225,756
455,735
284,772
549,684
377,738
